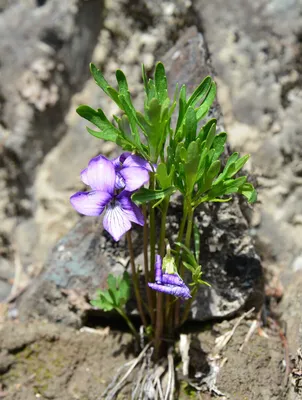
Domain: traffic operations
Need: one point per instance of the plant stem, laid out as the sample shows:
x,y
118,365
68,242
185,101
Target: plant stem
x,y
152,229
135,280
129,323
146,269
188,306
152,236
182,267
177,257
189,226
159,329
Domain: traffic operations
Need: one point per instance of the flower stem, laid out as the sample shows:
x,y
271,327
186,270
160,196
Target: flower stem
x,y
152,235
135,281
129,323
152,229
159,328
190,217
186,205
146,269
188,306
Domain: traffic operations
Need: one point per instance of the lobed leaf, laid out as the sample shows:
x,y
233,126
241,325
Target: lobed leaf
x,y
145,195
161,83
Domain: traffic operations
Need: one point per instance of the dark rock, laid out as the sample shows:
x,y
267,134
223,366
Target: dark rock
x,y
82,260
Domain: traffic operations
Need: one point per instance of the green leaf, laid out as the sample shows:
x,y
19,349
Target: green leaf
x,y
161,83
154,111
113,94
111,281
124,126
190,126
164,179
206,104
97,117
209,176
145,195
205,129
188,266
123,86
102,304
231,162
239,164
182,107
99,78
232,185
191,164
200,92
131,114
218,145
146,126
211,136
188,253
104,301
248,190
124,287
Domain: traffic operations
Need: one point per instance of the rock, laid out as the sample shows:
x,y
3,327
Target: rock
x,y
45,50
257,55
6,278
82,260
57,43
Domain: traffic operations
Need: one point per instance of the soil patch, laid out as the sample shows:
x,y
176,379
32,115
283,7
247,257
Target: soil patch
x,y
48,361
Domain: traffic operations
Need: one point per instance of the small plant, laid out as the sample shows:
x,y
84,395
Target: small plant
x,y
158,160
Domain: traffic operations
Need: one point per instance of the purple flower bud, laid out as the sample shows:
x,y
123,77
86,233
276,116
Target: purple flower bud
x,y
178,291
168,283
171,279
158,270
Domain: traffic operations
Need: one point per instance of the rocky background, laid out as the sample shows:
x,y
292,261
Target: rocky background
x,y
45,49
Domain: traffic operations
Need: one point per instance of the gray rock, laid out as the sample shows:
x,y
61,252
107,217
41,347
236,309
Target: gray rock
x,y
44,53
6,278
82,260
256,52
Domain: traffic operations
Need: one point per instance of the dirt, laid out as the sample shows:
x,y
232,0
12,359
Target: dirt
x,y
48,361
255,373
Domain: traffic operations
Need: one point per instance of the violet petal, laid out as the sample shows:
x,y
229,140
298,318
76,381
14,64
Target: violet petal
x,y
100,174
134,177
116,221
172,279
118,161
130,209
84,176
158,269
137,161
90,203
178,291
119,181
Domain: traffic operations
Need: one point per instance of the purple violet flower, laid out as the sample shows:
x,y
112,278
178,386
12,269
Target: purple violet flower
x,y
101,176
169,283
126,167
